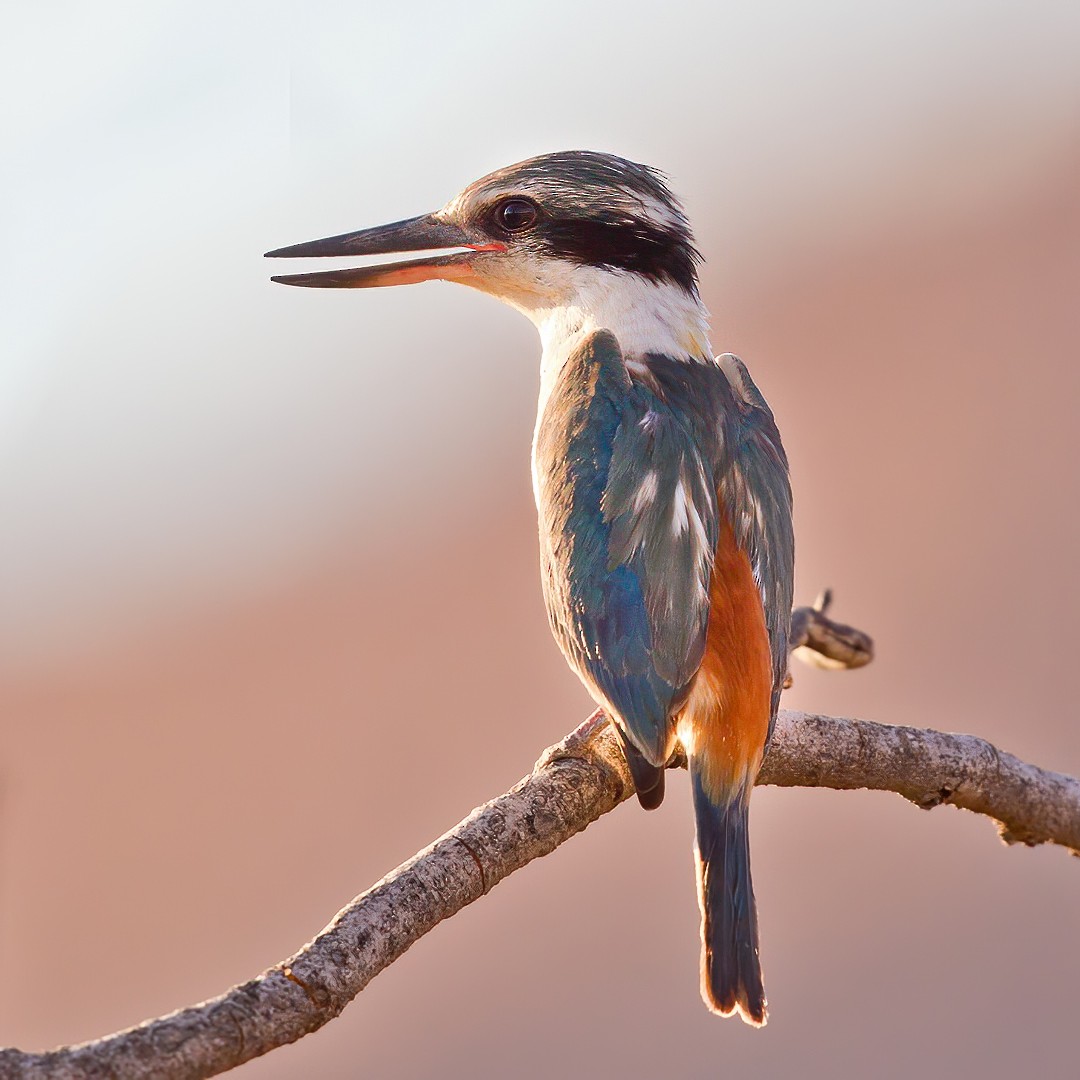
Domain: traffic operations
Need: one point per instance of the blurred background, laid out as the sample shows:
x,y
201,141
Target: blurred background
x,y
269,612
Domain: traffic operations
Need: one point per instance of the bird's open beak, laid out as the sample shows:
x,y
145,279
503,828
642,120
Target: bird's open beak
x,y
426,233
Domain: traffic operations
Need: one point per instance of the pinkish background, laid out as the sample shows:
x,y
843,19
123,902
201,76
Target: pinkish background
x,y
269,611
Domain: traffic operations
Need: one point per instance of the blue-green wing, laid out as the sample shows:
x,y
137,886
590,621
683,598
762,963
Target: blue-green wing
x,y
755,492
628,530
660,505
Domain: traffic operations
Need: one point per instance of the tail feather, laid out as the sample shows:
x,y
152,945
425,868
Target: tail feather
x,y
730,967
648,778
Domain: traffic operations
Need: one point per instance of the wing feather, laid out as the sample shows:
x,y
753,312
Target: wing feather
x,y
756,491
627,503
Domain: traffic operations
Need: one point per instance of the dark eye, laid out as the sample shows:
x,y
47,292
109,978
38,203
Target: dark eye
x,y
514,215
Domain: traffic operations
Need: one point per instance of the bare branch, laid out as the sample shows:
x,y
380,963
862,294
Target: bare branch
x,y
573,784
1030,805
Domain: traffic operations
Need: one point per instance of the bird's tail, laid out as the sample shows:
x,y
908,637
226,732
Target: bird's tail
x,y
730,968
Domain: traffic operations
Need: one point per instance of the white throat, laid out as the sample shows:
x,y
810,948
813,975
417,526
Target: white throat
x,y
645,317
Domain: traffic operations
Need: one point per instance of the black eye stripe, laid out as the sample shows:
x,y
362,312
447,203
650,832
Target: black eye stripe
x,y
612,237
624,244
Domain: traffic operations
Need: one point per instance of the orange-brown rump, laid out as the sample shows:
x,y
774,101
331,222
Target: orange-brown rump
x,y
726,718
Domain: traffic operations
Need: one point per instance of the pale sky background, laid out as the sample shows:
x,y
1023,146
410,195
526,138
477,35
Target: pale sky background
x,y
153,151
269,616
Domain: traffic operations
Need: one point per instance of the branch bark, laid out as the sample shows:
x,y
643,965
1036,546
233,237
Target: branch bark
x,y
574,783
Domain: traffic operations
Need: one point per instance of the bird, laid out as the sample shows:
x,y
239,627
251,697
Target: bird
x,y
661,485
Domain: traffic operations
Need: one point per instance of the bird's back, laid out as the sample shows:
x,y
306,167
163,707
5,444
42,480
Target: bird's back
x,y
666,558
637,481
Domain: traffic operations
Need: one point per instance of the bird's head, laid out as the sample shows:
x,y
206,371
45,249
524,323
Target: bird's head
x,y
541,235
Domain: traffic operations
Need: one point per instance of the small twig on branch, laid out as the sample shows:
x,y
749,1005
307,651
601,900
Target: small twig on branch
x,y
818,640
573,784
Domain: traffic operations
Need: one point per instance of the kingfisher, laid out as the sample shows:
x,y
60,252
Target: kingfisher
x,y
661,484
